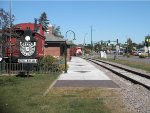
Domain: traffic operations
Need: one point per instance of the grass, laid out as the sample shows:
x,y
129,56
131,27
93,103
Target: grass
x,y
25,95
86,100
18,93
134,64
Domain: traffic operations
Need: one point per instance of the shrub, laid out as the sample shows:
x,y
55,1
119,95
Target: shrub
x,y
128,55
50,63
124,54
49,60
143,55
62,67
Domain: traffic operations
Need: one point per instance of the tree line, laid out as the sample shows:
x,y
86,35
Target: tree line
x,y
129,46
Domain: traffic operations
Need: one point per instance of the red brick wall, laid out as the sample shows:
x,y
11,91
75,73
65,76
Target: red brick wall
x,y
53,51
31,26
68,54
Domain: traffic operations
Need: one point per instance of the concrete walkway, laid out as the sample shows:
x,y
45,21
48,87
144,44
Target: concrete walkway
x,y
83,74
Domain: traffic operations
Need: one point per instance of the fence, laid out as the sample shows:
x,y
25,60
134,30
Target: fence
x,y
17,68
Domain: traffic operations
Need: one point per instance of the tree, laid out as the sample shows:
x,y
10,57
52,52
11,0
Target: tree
x,y
56,31
148,36
135,44
6,19
87,48
97,47
147,40
130,45
140,45
44,21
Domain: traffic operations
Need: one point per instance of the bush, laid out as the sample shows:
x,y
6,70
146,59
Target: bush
x,y
62,67
143,55
126,54
50,63
49,60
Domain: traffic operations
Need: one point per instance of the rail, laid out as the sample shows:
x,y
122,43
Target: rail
x,y
128,74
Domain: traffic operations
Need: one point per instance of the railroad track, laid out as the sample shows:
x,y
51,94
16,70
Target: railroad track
x,y
126,73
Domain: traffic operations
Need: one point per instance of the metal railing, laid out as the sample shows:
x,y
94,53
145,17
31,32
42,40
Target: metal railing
x,y
17,68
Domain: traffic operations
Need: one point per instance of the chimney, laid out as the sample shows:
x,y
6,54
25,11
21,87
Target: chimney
x,y
49,30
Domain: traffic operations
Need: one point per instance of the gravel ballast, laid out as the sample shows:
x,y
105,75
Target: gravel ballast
x,y
135,97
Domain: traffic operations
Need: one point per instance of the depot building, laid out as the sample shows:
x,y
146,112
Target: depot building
x,y
55,46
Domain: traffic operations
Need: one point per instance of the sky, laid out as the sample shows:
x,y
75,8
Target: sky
x,y
110,20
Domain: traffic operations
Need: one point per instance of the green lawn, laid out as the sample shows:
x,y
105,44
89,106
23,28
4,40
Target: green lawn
x,y
135,64
18,94
25,95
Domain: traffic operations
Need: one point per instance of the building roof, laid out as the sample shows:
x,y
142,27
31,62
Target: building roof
x,y
50,38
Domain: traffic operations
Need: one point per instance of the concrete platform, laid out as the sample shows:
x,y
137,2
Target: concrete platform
x,y
83,74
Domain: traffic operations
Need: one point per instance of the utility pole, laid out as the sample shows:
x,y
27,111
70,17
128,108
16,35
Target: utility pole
x,y
84,45
10,38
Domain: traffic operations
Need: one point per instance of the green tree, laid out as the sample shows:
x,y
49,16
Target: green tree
x,y
130,45
135,45
56,31
140,45
148,36
6,19
97,47
44,21
88,48
147,40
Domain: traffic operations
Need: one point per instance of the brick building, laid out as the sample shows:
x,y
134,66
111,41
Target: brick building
x,y
55,46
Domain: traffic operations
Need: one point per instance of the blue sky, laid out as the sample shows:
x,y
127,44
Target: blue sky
x,y
110,19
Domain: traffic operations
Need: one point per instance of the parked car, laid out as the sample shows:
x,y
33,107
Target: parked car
x,y
121,52
137,53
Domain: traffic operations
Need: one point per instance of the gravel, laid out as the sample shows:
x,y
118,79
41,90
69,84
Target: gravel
x,y
135,97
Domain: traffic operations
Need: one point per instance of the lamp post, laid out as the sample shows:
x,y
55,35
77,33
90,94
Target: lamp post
x,y
92,39
66,48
